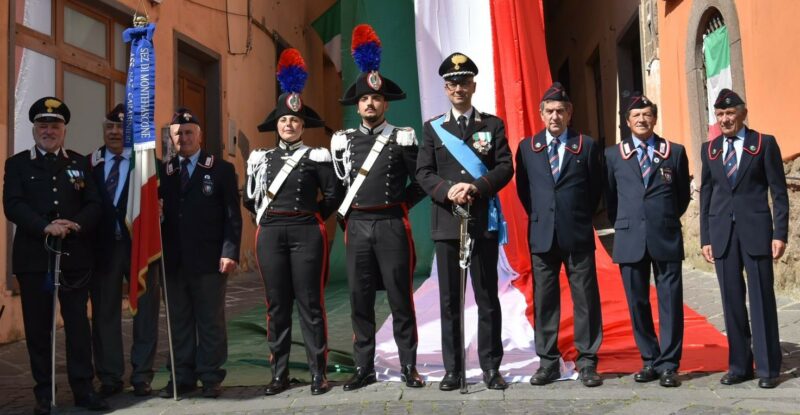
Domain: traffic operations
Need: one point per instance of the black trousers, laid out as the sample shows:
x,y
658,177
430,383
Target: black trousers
x,y
106,294
197,315
588,322
293,262
483,271
37,317
381,252
764,338
666,353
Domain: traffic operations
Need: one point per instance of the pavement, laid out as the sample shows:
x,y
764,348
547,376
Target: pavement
x,y
701,393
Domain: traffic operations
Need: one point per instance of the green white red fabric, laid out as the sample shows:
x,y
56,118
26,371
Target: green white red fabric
x,y
717,53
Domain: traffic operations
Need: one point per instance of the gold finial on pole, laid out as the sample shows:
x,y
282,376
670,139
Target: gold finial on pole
x,y
139,21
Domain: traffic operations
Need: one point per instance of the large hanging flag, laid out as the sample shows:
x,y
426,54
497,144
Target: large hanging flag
x,y
329,28
506,39
717,53
142,216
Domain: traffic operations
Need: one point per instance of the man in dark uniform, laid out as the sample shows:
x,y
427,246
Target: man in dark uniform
x,y
465,159
201,232
647,192
737,231
559,182
376,163
48,195
112,244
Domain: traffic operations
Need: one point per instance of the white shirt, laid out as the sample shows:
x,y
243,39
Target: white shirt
x,y
468,114
738,146
562,143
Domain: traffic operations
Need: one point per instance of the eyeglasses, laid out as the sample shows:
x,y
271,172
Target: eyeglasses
x,y
452,86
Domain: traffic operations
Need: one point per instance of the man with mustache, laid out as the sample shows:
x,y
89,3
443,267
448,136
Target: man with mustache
x,y
112,244
48,195
738,231
647,192
376,162
559,182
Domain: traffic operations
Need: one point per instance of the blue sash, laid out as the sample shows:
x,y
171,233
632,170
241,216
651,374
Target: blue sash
x,y
475,167
140,131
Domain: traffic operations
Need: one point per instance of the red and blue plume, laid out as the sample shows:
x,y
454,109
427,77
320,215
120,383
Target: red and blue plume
x,y
366,48
292,74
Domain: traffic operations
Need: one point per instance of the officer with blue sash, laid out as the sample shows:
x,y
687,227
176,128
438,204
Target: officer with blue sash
x,y
465,159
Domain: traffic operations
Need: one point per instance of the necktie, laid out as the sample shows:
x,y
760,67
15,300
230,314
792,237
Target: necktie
x,y
113,178
644,163
730,162
184,174
462,125
552,154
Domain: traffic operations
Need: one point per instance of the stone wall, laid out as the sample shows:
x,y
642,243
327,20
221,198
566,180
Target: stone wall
x,y
787,269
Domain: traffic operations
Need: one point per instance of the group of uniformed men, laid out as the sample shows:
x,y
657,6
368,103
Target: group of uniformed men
x,y
464,159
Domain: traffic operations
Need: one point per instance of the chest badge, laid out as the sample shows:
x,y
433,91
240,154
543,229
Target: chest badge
x,y
208,185
76,178
482,141
666,174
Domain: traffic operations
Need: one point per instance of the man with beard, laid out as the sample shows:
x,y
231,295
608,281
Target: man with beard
x,y
376,163
48,195
738,232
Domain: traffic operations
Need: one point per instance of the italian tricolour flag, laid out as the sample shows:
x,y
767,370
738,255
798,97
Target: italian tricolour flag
x,y
507,41
717,53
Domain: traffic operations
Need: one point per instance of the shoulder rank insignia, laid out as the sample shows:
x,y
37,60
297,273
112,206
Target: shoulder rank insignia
x,y
320,155
97,157
207,163
754,149
406,136
575,148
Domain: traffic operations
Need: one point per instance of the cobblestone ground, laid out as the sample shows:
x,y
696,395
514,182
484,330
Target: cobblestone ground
x,y
700,393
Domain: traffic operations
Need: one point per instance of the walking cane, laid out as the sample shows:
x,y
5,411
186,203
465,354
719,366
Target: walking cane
x,y
464,257
56,272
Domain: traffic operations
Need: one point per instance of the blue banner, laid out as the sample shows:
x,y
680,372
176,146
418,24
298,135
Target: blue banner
x,y
475,167
140,131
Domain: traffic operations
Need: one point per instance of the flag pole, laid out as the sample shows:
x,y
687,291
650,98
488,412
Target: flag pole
x,y
142,21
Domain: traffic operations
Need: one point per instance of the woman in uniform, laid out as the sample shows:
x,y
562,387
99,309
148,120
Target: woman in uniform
x,y
283,184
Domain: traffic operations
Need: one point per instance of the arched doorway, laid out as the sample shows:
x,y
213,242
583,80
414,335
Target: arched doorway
x,y
707,15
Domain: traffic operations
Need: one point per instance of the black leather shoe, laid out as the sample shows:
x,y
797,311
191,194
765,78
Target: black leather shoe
x,y
451,381
731,379
545,375
212,390
42,407
669,379
767,383
142,389
107,390
92,402
319,385
494,380
277,385
647,374
589,377
182,389
361,378
411,377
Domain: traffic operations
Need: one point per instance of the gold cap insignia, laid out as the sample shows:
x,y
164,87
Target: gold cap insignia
x,y
457,61
52,104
